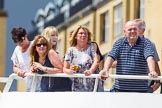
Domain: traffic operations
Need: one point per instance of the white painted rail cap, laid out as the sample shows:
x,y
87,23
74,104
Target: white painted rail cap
x,y
79,100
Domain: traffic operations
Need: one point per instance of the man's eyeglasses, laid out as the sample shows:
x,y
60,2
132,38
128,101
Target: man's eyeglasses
x,y
41,44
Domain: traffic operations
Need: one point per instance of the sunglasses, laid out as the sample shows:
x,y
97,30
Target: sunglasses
x,y
41,44
19,40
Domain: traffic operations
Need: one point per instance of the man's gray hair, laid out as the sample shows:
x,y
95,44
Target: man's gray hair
x,y
141,23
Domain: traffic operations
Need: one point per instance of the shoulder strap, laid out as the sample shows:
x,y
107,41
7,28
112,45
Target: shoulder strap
x,y
98,51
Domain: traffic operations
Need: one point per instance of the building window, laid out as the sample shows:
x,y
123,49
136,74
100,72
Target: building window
x,y
142,3
104,27
118,20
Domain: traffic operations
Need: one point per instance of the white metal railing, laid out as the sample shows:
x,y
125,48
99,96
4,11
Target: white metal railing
x,y
3,79
15,76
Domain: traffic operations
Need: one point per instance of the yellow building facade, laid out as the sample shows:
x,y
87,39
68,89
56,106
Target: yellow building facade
x,y
3,19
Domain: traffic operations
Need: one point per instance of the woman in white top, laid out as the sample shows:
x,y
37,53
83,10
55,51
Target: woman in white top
x,y
20,57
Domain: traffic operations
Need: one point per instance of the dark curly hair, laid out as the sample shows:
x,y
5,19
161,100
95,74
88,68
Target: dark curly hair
x,y
18,34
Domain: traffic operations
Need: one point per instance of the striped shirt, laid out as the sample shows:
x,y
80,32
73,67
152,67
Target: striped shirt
x,y
131,60
156,56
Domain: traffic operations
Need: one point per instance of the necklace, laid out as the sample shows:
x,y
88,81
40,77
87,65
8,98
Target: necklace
x,y
82,48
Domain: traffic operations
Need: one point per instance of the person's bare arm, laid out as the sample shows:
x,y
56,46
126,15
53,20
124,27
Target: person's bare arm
x,y
95,64
114,64
151,66
67,68
156,84
18,71
55,61
108,63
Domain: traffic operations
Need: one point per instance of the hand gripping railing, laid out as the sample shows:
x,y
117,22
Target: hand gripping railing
x,y
15,76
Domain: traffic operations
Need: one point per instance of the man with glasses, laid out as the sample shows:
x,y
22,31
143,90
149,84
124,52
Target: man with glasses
x,y
20,57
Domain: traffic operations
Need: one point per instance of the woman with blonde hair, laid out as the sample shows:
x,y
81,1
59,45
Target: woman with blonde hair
x,y
51,34
45,61
82,53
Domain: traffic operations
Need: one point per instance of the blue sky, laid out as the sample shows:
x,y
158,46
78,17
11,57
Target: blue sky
x,y
20,13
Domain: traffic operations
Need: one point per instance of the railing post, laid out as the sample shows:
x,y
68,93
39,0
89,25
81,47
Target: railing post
x,y
34,83
161,88
8,83
95,85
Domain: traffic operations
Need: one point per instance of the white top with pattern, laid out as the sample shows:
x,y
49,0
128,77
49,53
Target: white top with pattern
x,y
22,60
84,59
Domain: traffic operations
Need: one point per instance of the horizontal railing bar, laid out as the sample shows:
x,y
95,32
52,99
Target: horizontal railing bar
x,y
3,79
96,76
13,76
65,75
135,77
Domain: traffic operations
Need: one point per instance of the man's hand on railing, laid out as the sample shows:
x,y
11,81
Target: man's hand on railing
x,y
103,75
153,74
